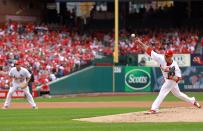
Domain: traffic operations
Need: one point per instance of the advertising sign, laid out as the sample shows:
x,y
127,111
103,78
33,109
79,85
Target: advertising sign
x,y
17,94
183,60
137,79
192,79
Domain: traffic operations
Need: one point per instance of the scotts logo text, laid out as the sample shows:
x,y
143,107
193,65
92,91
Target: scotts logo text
x,y
137,79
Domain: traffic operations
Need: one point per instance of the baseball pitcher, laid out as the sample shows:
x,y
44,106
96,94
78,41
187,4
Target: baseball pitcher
x,y
172,75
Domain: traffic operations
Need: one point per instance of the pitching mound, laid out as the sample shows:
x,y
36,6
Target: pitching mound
x,y
179,114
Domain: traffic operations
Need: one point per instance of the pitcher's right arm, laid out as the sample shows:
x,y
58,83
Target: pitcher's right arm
x,y
155,56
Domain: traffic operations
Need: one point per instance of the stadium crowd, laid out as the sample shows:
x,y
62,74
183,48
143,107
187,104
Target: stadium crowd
x,y
180,41
50,54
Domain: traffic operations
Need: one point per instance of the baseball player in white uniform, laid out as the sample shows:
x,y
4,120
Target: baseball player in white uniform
x,y
172,75
20,78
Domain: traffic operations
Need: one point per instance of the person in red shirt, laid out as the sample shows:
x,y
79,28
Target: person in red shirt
x,y
198,60
44,90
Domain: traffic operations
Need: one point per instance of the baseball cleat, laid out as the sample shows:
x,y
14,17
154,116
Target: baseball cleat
x,y
151,112
35,107
5,107
197,104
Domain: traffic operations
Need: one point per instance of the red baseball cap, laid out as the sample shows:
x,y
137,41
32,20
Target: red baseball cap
x,y
17,62
169,53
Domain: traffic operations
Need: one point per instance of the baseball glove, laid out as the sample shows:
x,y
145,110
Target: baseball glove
x,y
171,72
23,85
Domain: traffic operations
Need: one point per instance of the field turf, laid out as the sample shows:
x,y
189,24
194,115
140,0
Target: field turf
x,y
61,119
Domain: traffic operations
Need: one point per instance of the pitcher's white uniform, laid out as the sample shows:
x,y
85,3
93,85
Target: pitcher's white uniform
x,y
18,78
169,85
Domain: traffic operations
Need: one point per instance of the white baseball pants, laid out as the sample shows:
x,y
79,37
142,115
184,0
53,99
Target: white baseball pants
x,y
13,89
172,86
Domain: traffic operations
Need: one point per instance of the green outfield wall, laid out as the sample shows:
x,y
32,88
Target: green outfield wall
x,y
95,79
88,80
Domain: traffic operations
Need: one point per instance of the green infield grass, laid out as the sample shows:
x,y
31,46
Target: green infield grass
x,y
61,120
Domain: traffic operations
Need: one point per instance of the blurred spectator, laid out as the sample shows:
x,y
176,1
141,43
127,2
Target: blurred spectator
x,y
142,62
198,60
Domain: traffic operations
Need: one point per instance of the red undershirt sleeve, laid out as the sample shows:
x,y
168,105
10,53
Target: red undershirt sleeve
x,y
149,50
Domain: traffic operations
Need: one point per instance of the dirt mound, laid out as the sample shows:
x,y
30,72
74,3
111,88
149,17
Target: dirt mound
x,y
179,114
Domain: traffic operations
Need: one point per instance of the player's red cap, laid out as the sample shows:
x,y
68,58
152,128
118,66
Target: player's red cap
x,y
169,53
17,62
